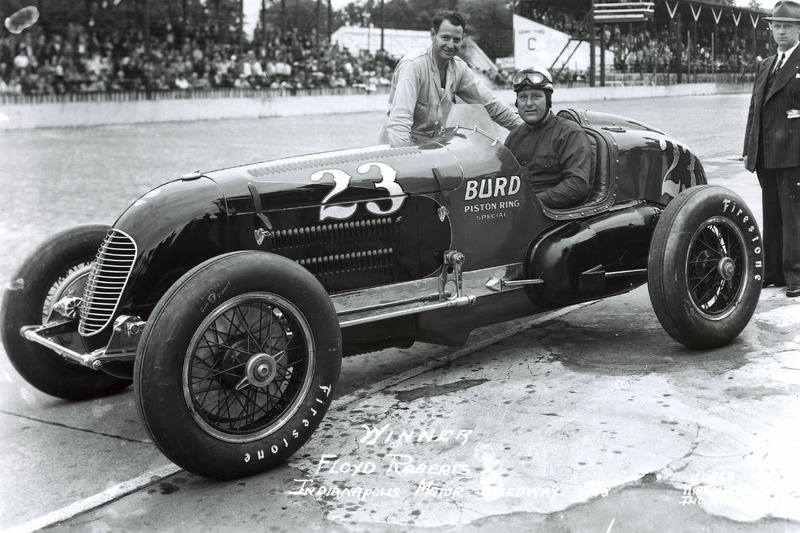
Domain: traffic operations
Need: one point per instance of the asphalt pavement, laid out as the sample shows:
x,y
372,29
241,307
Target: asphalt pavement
x,y
585,419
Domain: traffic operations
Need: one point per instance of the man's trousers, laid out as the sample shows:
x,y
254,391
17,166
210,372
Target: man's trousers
x,y
780,199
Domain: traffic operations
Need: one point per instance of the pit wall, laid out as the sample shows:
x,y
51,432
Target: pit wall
x,y
77,114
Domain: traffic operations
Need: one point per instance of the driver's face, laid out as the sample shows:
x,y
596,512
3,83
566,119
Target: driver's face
x,y
532,105
447,43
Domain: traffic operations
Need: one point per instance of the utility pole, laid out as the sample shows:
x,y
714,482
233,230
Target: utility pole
x,y
679,51
602,55
592,37
148,58
241,27
283,18
263,17
316,23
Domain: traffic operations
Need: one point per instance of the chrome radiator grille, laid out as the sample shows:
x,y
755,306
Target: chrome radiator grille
x,y
110,273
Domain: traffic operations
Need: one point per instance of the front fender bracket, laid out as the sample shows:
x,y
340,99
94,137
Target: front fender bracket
x,y
121,347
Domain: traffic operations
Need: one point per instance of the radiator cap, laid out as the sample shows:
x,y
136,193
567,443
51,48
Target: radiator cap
x,y
191,176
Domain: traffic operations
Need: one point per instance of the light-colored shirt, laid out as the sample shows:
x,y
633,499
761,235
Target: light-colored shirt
x,y
417,100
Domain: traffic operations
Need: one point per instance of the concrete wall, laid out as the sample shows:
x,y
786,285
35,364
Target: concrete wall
x,y
72,114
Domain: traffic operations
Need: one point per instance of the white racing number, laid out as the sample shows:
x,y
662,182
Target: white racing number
x,y
341,180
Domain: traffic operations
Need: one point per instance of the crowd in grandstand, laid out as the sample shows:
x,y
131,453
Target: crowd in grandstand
x,y
643,52
82,60
557,18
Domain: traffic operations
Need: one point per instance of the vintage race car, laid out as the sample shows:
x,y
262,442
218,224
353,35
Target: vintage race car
x,y
228,298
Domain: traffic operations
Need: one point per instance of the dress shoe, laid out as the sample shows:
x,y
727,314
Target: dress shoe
x,y
793,291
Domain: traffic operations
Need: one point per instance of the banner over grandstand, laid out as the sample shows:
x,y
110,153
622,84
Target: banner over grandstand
x,y
537,44
397,43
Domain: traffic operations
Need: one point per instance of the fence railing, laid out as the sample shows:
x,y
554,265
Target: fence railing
x,y
611,80
662,78
214,93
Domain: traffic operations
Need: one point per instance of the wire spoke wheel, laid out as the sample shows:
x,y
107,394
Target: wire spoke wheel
x,y
238,364
716,267
248,366
705,267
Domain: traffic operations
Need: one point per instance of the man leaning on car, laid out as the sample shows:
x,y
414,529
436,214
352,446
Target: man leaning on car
x,y
426,82
772,148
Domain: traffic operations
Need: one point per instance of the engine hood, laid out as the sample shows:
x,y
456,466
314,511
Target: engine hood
x,y
424,168
168,209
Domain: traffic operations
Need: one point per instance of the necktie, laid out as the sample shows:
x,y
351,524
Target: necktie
x,y
779,64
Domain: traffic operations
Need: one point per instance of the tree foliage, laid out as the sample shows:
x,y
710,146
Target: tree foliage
x,y
491,25
301,14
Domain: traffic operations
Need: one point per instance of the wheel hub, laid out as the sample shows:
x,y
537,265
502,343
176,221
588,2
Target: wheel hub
x,y
261,370
726,268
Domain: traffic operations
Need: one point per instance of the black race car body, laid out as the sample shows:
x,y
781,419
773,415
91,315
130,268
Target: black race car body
x,y
385,216
386,245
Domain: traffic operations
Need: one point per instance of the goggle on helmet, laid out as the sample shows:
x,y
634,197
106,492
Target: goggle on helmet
x,y
533,77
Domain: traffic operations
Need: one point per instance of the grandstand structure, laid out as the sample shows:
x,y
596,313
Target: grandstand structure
x,y
683,37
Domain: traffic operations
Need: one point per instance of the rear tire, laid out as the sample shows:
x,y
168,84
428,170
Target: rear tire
x,y
705,267
57,268
238,364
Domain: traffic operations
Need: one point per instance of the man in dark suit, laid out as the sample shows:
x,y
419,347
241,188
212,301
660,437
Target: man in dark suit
x,y
772,148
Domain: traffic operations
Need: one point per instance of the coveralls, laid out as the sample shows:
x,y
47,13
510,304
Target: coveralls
x,y
417,100
555,155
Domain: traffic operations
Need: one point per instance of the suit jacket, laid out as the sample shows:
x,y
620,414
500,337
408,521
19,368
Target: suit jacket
x,y
767,116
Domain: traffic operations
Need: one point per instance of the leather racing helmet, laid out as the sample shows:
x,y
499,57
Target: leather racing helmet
x,y
532,77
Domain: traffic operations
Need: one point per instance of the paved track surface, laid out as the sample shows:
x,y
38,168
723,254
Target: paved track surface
x,y
588,419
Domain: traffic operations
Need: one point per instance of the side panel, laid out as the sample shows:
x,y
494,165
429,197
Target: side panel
x,y
365,250
593,258
494,213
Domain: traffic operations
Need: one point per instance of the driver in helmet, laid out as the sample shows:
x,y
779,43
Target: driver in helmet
x,y
554,152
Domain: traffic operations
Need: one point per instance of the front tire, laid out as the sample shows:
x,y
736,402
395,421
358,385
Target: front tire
x,y
238,364
57,268
705,267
